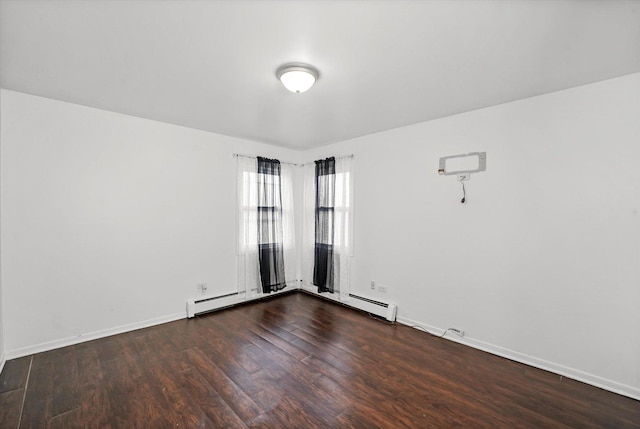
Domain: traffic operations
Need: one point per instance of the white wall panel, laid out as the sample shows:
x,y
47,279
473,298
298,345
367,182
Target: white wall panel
x,y
110,220
543,262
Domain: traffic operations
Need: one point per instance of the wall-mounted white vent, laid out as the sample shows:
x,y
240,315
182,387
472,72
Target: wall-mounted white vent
x,y
473,162
204,305
382,309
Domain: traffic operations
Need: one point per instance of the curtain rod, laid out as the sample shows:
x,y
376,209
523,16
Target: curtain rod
x,y
337,157
290,163
255,157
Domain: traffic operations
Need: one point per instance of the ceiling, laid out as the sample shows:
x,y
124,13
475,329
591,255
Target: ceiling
x,y
211,65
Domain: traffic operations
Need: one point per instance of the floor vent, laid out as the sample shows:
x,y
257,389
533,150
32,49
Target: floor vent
x,y
382,309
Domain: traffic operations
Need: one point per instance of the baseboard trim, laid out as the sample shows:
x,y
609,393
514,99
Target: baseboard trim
x,y
313,291
70,341
255,298
575,374
594,380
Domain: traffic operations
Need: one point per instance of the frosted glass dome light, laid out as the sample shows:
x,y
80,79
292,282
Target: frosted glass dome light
x,y
297,77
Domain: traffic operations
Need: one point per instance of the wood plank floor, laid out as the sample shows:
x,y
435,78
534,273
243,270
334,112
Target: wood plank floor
x,y
296,361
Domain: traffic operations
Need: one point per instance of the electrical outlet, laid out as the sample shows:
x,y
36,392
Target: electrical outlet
x,y
382,288
373,285
202,287
464,177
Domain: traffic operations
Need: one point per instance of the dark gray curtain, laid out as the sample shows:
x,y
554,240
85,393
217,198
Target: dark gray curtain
x,y
323,268
270,236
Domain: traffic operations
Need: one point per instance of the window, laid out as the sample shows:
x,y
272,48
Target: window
x,y
327,225
270,229
323,263
266,252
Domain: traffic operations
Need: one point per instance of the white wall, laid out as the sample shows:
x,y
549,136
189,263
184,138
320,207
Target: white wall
x,y
109,221
543,262
2,355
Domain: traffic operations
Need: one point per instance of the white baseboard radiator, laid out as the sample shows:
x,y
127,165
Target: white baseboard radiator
x,y
382,309
205,305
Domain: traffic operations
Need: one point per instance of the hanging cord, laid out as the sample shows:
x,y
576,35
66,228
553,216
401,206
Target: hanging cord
x,y
464,193
454,330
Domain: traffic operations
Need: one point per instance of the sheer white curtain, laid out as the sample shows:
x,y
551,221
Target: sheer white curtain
x,y
247,210
308,225
287,177
247,226
342,227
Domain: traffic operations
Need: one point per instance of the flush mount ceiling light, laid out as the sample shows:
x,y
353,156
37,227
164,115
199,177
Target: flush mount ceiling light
x,y
297,77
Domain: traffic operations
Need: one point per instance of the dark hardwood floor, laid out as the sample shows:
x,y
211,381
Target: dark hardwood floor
x,y
295,361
